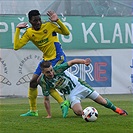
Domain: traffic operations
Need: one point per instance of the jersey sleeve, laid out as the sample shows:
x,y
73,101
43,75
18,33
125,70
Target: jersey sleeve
x,y
62,29
61,68
44,87
20,42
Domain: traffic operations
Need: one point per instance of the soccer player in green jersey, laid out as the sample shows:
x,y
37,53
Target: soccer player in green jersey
x,y
59,78
44,36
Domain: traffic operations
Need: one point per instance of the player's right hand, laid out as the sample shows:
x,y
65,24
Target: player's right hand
x,y
87,61
22,25
52,16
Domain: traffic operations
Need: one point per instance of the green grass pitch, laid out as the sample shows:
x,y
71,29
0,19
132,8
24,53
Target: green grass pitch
x,y
107,122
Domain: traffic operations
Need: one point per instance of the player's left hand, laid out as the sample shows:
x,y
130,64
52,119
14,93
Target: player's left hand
x,y
22,25
49,116
52,16
87,61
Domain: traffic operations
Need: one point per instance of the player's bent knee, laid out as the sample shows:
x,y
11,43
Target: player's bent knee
x,y
33,81
33,84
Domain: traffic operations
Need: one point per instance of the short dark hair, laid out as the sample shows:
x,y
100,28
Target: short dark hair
x,y
45,64
33,13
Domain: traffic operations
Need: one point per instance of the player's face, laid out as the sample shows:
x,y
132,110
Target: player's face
x,y
48,72
36,22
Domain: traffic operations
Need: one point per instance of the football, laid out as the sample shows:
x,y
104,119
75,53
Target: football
x,y
90,114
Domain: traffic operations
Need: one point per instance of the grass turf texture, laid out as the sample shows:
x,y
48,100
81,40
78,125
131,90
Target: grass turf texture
x,y
107,122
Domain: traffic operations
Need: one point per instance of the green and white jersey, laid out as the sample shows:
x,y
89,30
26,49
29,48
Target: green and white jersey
x,y
63,80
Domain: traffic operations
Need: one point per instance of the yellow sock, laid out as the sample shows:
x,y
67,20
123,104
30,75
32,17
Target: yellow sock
x,y
32,95
56,96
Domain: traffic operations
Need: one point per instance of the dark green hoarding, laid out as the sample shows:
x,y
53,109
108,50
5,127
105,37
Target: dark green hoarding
x,y
86,32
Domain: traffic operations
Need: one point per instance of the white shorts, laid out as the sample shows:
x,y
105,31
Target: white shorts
x,y
81,92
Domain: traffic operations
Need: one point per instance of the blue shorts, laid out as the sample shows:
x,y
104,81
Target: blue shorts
x,y
58,60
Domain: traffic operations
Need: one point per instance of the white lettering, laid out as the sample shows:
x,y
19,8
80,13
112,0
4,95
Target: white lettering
x,y
117,33
129,33
102,34
83,71
89,72
74,69
13,31
5,29
86,32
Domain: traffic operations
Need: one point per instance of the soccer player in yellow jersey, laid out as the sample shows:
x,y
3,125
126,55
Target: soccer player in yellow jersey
x,y
44,36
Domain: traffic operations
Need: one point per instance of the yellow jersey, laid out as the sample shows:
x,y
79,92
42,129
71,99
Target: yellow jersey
x,y
45,38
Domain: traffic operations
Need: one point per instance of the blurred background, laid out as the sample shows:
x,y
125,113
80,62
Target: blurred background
x,y
69,7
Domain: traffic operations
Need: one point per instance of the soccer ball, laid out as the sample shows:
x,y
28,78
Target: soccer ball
x,y
90,114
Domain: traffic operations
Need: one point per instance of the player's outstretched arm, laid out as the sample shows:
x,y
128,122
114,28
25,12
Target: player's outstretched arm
x,y
86,61
47,106
19,42
52,16
62,29
22,25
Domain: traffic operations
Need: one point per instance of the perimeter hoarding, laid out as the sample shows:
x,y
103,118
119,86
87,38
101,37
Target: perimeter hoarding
x,y
108,73
97,74
86,32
